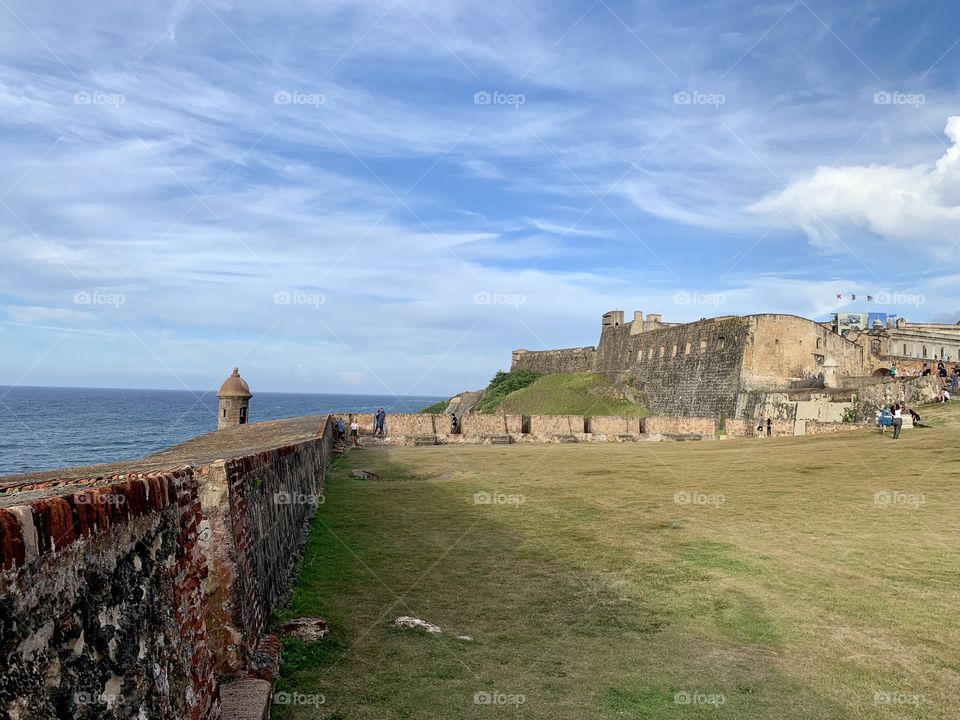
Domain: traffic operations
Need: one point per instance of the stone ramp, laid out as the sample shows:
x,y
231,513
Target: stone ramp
x,y
246,699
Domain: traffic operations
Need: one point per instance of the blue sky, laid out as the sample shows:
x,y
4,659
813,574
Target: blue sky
x,y
388,196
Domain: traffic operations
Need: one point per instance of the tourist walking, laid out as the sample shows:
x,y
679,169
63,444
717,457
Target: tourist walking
x,y
760,426
355,432
341,430
379,418
893,370
769,426
897,421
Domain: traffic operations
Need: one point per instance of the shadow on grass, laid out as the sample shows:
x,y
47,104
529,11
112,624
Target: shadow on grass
x,y
559,628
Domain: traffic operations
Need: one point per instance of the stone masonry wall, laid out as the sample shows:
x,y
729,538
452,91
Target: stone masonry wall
x,y
478,425
701,427
550,362
689,370
272,498
101,608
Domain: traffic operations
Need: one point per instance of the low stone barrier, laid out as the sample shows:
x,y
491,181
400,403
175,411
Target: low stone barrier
x,y
615,425
696,426
546,426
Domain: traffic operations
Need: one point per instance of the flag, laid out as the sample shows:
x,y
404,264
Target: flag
x,y
853,297
839,296
869,298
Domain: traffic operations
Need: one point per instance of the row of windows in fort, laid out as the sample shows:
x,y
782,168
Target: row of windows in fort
x,y
920,351
720,344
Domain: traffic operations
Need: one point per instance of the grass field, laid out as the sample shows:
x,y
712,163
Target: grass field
x,y
797,578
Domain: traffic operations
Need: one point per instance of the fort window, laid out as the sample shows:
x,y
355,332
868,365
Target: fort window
x,y
819,343
640,356
663,351
904,348
924,350
243,415
686,349
703,345
674,353
722,341
650,354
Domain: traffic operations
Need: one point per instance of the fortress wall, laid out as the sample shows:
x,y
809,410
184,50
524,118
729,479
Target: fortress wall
x,y
269,499
785,346
704,427
477,425
614,350
549,425
551,362
101,607
410,424
614,425
912,391
692,369
364,419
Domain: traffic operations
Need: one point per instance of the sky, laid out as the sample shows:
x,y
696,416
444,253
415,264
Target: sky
x,y
388,196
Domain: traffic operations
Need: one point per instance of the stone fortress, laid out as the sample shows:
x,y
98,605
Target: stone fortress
x,y
741,367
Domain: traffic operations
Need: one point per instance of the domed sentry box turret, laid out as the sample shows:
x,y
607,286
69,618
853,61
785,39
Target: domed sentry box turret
x,y
234,399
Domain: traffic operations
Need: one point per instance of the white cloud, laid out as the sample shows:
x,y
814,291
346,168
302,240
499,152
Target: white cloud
x,y
916,206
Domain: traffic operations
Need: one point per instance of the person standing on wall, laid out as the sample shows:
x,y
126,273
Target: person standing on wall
x,y
897,420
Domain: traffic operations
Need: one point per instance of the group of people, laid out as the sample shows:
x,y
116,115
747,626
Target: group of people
x,y
342,430
379,427
948,377
760,426
892,416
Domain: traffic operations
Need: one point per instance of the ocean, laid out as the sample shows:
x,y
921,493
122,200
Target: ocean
x,y
44,428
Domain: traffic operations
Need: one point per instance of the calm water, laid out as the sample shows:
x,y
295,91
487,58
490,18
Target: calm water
x,y
44,428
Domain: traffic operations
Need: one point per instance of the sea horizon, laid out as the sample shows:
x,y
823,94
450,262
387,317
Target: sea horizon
x,y
53,427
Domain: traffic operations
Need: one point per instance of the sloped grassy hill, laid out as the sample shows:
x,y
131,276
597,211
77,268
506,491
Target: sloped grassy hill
x,y
568,394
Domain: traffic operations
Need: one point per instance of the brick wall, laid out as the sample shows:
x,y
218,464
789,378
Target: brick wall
x,y
613,425
549,425
101,607
478,425
407,425
703,427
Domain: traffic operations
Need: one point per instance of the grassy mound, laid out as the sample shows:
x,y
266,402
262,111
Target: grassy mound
x,y
569,394
502,385
436,408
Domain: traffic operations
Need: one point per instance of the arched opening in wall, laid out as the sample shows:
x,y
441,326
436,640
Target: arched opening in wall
x,y
224,412
819,343
525,424
640,356
904,348
243,415
924,350
943,353
650,354
881,372
686,349
663,351
722,341
703,345
587,425
674,353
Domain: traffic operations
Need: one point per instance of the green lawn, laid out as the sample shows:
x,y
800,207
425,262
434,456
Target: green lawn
x,y
808,578
569,394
